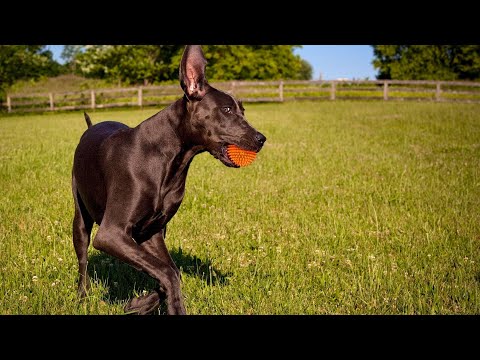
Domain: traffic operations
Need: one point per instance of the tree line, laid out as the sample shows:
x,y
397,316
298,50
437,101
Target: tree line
x,y
427,62
19,62
148,64
151,64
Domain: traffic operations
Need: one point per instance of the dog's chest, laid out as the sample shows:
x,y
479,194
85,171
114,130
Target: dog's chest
x,y
154,212
148,226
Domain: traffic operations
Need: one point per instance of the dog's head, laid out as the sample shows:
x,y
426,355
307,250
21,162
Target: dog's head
x,y
216,119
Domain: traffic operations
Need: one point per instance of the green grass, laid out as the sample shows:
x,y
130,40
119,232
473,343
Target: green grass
x,y
352,207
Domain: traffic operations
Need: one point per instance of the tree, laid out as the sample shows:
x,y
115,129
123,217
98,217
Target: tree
x,y
254,62
427,62
466,61
306,70
133,64
18,62
69,54
130,64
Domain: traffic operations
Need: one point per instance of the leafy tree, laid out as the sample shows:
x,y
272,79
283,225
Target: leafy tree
x,y
306,70
131,64
69,54
427,62
466,61
254,62
19,62
146,64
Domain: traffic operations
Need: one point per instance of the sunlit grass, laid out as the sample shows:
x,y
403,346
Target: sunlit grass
x,y
350,208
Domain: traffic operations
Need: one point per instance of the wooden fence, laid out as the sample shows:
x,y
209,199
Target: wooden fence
x,y
252,91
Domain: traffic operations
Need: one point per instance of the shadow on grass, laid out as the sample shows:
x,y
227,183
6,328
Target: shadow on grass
x,y
124,282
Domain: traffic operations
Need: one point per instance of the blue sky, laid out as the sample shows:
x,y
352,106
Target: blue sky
x,y
329,61
339,61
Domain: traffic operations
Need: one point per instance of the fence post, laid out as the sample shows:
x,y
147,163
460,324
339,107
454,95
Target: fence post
x,y
438,92
232,88
9,104
385,90
92,99
332,90
280,90
140,96
50,95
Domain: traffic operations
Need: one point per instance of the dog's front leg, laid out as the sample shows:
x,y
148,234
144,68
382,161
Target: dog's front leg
x,y
157,247
148,303
145,304
114,241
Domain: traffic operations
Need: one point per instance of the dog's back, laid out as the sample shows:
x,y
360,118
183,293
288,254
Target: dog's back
x,y
88,167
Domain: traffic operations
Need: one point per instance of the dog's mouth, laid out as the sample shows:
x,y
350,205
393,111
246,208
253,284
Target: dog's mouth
x,y
224,158
222,155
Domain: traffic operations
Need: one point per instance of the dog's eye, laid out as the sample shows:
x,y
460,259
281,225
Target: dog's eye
x,y
227,109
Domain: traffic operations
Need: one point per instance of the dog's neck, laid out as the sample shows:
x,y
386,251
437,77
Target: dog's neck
x,y
174,120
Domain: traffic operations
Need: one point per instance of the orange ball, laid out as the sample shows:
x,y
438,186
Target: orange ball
x,y
239,156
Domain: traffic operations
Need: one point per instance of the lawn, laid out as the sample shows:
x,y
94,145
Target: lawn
x,y
352,207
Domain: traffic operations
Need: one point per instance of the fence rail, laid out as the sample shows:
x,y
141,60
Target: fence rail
x,y
252,91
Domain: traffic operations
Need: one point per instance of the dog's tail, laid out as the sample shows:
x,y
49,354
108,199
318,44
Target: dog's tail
x,y
87,119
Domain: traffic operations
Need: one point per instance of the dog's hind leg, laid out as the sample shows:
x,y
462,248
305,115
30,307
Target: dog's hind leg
x,y
82,227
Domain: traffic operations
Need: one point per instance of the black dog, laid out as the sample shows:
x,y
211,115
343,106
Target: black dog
x,y
131,181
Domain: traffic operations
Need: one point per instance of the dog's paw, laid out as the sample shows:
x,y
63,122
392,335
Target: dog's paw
x,y
143,305
83,288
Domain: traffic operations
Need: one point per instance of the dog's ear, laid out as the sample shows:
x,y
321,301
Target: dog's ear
x,y
192,72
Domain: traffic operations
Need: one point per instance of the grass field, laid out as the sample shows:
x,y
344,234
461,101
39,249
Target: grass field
x,y
351,208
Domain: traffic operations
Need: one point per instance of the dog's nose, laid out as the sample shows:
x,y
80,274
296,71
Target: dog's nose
x,y
260,138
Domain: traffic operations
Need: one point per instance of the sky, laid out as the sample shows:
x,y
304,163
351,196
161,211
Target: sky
x,y
329,62
339,61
